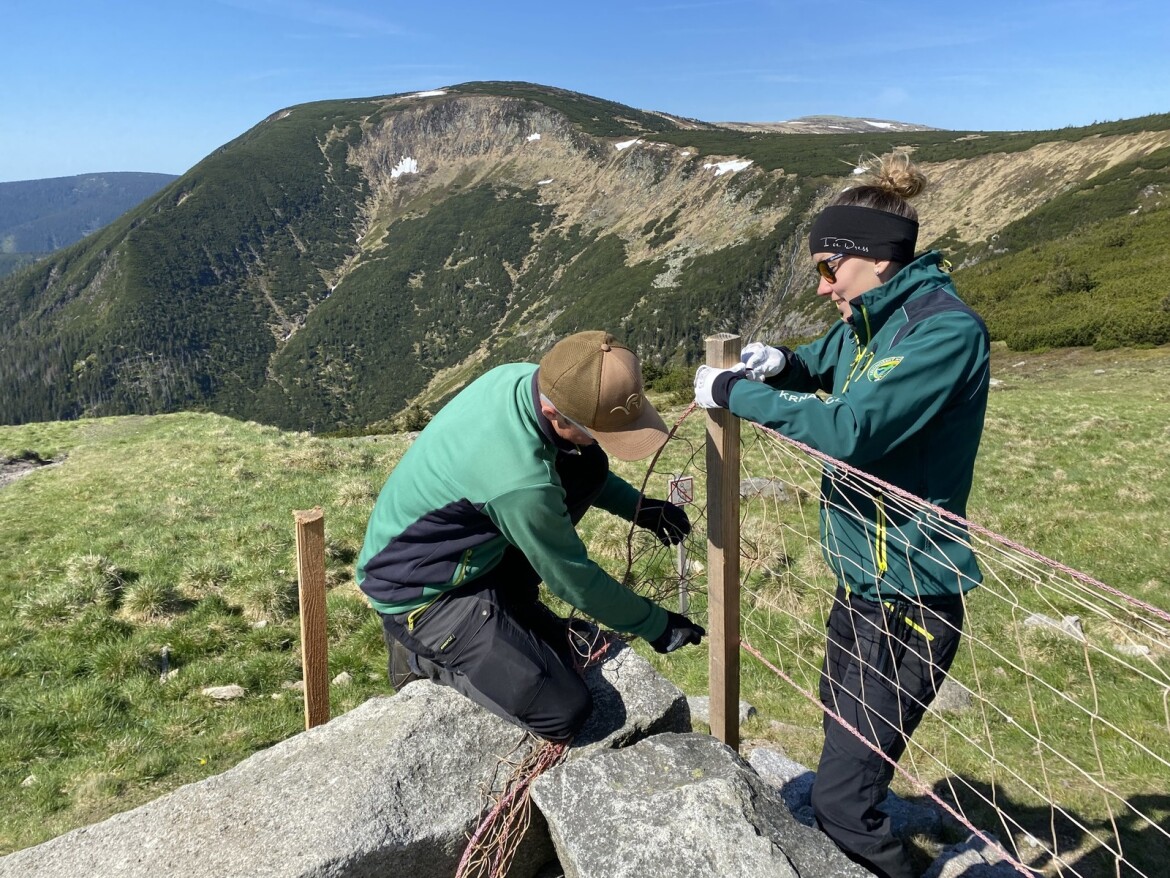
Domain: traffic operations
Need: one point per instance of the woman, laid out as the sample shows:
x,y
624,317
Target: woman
x,y
903,381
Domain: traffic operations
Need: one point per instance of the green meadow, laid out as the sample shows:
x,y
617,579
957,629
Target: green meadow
x,y
155,558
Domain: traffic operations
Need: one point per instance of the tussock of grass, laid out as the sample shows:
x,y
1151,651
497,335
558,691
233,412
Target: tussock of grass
x,y
92,579
268,600
357,492
151,600
202,580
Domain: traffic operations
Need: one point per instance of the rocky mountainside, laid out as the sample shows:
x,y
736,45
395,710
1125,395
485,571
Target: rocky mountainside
x,y
827,125
344,260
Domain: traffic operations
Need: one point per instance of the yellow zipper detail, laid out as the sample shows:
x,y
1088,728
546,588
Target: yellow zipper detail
x,y
889,605
462,567
918,628
417,612
414,614
862,354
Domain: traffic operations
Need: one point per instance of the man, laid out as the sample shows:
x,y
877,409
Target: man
x,y
483,507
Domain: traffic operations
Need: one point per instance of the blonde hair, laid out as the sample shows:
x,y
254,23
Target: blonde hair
x,y
890,182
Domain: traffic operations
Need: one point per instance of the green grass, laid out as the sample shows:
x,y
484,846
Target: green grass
x,y
176,533
172,532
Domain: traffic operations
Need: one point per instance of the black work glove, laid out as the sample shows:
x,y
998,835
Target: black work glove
x,y
680,631
669,522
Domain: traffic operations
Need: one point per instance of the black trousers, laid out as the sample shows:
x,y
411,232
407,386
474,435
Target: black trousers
x,y
494,641
884,663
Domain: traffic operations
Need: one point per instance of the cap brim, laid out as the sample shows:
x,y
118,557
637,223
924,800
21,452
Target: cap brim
x,y
638,439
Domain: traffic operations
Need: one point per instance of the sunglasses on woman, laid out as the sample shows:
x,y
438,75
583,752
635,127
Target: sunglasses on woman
x,y
825,270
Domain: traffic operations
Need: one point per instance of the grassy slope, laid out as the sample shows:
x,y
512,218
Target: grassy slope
x,y
171,531
176,531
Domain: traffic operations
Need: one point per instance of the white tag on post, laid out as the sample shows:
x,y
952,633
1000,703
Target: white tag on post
x,y
682,490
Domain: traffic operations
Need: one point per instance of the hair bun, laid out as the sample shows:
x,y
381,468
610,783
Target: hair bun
x,y
894,173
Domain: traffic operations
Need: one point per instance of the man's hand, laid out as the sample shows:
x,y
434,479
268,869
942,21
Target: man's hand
x,y
669,522
712,385
680,631
762,361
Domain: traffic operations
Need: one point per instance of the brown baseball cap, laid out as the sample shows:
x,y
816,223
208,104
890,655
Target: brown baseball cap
x,y
596,382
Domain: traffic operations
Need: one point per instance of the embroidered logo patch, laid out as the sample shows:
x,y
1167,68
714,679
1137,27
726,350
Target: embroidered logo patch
x,y
633,404
882,368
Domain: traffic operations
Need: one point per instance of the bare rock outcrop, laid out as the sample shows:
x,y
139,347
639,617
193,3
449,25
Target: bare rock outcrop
x,y
677,805
399,784
394,787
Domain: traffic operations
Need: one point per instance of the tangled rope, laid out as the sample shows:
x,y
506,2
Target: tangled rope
x,y
493,845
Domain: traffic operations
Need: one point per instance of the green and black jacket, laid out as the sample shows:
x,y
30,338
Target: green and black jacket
x,y
906,382
480,477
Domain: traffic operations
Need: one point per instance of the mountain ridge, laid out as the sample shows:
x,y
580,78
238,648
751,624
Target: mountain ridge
x,y
827,124
342,261
40,216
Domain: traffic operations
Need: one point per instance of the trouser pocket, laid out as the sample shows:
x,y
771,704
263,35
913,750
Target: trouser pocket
x,y
444,630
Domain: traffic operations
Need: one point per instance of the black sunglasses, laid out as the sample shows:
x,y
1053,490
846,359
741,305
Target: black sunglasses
x,y
825,270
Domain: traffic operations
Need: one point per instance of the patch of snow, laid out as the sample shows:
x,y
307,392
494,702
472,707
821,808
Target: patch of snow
x,y
406,166
428,94
879,124
626,144
532,137
686,153
544,182
728,167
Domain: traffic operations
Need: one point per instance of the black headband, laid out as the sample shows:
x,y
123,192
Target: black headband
x,y
864,231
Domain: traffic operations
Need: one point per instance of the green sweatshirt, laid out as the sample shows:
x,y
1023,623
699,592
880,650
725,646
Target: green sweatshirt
x,y
907,380
481,476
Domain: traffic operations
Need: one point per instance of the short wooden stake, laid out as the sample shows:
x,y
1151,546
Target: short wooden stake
x,y
314,643
723,552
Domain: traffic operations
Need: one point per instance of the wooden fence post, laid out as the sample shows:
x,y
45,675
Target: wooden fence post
x,y
723,552
314,643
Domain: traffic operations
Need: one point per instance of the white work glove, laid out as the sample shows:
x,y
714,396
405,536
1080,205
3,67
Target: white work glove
x,y
762,361
705,378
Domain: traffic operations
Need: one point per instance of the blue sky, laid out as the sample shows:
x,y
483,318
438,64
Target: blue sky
x,y
123,85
